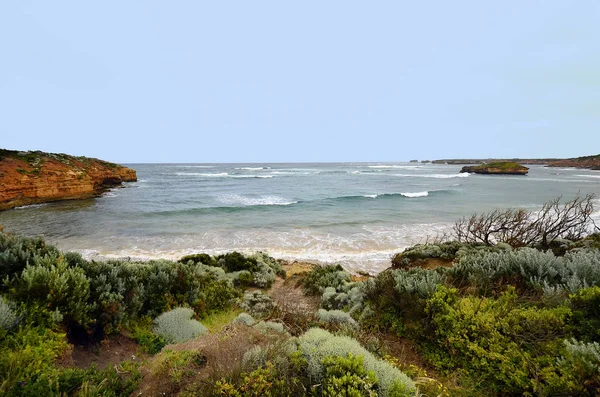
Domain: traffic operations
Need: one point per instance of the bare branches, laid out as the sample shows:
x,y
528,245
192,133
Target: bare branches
x,y
519,227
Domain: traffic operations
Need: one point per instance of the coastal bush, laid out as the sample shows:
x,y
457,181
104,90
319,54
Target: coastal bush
x,y
177,325
347,376
320,278
586,313
337,317
49,282
317,344
258,304
17,252
582,361
8,316
419,253
201,258
509,347
244,318
267,327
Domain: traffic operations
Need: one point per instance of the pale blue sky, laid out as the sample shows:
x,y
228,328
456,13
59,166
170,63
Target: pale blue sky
x,y
260,81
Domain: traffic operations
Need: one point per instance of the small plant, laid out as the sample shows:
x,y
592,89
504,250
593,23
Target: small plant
x,y
258,304
177,325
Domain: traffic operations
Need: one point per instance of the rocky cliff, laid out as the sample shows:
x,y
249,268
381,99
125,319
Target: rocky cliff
x,y
38,177
503,168
591,162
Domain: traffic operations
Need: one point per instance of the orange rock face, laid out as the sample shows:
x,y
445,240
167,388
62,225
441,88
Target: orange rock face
x,y
36,177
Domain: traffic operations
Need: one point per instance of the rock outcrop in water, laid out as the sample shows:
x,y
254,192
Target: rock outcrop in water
x,y
500,168
37,177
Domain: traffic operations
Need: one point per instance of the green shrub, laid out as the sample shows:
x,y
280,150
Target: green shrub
x,y
177,325
17,252
336,317
234,262
8,316
320,278
51,283
317,344
202,258
149,341
586,313
28,362
507,347
347,376
244,318
582,361
258,304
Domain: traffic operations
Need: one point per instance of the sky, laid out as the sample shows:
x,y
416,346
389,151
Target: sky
x,y
300,81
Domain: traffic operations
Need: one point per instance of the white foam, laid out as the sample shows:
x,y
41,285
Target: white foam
x,y
436,176
371,195
588,176
24,207
369,248
417,194
355,172
252,168
190,166
404,167
217,175
236,199
251,176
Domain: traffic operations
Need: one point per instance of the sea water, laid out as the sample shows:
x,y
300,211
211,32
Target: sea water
x,y
356,214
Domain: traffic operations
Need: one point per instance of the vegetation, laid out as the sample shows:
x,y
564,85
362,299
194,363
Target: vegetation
x,y
485,316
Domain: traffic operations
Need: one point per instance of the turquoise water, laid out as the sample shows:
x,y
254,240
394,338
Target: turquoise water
x,y
357,214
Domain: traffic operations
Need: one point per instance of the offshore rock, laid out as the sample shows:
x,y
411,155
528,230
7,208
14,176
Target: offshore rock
x,y
37,177
499,168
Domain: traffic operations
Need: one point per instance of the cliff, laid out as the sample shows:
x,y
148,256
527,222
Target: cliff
x,y
500,168
591,162
37,177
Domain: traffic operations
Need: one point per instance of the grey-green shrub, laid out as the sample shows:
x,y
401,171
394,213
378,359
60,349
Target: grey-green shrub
x,y
8,317
316,344
336,317
244,318
177,325
257,303
270,327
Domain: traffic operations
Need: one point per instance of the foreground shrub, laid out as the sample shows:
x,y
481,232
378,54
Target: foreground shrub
x,y
320,278
52,284
582,361
317,344
508,347
336,317
8,316
347,376
177,325
258,304
17,252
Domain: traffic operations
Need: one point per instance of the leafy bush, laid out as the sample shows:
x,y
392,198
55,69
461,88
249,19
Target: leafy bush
x,y
320,278
418,253
336,317
17,252
51,283
317,344
8,316
244,318
582,360
270,327
347,376
509,348
261,382
258,304
177,325
586,313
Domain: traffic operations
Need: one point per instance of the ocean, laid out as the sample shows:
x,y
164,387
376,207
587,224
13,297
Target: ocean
x,y
355,214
